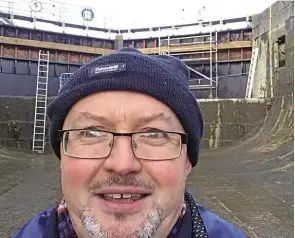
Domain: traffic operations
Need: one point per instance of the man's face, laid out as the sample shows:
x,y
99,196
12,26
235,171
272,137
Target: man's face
x,y
92,187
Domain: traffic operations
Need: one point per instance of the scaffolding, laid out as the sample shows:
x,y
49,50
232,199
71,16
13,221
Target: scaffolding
x,y
188,49
63,78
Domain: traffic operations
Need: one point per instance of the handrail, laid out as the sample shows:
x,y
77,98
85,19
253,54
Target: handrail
x,y
191,43
187,37
203,75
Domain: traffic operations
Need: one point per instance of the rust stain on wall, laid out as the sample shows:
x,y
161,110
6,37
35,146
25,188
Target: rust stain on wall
x,y
9,51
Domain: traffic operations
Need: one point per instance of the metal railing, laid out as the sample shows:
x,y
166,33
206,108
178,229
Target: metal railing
x,y
62,79
169,47
53,10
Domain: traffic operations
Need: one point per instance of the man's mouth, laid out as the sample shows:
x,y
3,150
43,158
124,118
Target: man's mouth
x,y
123,200
124,197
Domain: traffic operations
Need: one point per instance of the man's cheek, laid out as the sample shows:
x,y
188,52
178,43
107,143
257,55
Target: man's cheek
x,y
75,174
165,174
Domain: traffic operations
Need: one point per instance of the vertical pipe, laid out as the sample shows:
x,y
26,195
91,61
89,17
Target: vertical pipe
x,y
270,53
168,44
216,64
159,42
210,61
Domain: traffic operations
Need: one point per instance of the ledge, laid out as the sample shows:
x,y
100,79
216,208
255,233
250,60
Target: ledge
x,y
54,46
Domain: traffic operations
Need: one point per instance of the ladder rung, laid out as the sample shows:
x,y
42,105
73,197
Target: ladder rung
x,y
42,83
41,107
38,140
40,120
40,113
41,88
38,146
42,76
39,133
39,126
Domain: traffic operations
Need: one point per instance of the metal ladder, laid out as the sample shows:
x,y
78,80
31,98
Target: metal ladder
x,y
251,74
41,102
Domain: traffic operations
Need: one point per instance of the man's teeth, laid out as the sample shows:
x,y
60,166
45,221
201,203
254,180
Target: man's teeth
x,y
116,196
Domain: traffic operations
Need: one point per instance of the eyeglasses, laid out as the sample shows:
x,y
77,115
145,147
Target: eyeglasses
x,y
95,144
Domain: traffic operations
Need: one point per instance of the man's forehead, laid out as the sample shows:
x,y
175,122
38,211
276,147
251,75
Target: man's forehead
x,y
140,118
115,106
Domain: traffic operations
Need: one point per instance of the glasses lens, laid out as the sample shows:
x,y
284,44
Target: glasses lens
x,y
156,145
87,143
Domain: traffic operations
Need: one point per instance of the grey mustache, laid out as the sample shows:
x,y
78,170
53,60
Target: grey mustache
x,y
124,181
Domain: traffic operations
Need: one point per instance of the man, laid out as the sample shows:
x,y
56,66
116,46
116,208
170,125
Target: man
x,y
127,131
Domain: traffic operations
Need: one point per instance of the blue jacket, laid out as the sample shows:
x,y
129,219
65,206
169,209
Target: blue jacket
x,y
44,226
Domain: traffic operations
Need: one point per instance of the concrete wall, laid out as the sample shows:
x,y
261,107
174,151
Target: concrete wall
x,y
16,122
228,120
280,18
225,121
278,127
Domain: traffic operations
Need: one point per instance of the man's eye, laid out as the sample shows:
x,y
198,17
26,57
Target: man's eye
x,y
156,135
91,133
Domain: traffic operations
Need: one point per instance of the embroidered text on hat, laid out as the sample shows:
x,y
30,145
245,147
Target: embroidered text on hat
x,y
106,69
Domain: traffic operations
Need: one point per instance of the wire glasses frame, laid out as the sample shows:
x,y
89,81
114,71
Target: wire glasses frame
x,y
146,145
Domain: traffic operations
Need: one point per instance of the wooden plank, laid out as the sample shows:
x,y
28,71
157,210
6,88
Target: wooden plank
x,y
98,51
51,45
196,48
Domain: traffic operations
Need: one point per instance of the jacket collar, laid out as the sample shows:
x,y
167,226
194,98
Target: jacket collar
x,y
50,229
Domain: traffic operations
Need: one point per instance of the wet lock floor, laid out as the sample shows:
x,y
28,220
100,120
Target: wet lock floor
x,y
253,191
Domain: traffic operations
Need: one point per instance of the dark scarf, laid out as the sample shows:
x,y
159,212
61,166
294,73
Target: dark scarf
x,y
188,225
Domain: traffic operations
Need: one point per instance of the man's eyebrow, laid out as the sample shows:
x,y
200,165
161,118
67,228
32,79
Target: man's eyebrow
x,y
89,116
154,117
141,121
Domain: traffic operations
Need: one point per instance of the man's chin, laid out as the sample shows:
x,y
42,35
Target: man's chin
x,y
115,225
121,224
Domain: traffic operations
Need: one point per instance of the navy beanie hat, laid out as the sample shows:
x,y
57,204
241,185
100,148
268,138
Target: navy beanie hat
x,y
160,76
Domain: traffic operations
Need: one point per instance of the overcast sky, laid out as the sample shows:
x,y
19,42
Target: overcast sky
x,y
133,13
122,14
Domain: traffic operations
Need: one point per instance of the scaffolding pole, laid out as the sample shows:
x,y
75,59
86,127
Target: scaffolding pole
x,y
212,39
211,62
159,42
216,64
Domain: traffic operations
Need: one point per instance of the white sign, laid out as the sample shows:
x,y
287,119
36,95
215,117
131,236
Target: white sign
x,y
87,14
35,6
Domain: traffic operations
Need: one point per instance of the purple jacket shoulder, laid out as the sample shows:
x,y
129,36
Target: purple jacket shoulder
x,y
215,226
35,227
219,228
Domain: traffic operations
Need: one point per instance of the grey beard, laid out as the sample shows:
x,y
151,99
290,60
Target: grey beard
x,y
146,229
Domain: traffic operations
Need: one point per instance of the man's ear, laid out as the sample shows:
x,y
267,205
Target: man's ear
x,y
188,166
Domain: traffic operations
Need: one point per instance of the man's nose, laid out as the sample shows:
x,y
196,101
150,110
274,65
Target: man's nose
x,y
122,160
